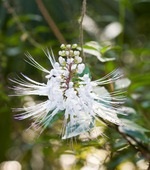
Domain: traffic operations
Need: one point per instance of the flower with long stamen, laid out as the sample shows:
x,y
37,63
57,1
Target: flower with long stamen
x,y
70,92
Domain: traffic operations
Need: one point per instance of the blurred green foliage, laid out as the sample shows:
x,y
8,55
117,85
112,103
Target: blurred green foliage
x,y
23,28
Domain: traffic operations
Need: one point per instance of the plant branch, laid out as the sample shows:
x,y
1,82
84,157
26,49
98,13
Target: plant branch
x,y
50,22
138,146
81,26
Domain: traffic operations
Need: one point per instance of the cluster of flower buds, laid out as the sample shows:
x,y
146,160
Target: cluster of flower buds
x,y
69,65
69,57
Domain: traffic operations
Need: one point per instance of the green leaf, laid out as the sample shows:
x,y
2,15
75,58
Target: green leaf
x,y
93,48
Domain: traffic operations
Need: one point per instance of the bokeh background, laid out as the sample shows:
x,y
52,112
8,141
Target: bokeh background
x,y
33,25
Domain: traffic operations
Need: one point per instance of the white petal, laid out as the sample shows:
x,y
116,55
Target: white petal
x,y
80,68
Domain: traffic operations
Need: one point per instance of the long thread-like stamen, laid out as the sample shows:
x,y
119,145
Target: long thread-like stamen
x,y
71,93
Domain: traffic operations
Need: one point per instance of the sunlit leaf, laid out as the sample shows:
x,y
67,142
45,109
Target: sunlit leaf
x,y
93,48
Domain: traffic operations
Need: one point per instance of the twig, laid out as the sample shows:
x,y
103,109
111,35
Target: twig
x,y
138,146
20,25
50,22
81,27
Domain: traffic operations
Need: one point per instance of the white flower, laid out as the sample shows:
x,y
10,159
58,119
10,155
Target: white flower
x,y
70,60
73,67
76,97
61,60
80,68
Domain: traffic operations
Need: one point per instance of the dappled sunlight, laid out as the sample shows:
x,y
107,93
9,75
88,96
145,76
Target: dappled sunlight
x,y
95,159
10,165
111,31
90,26
67,161
126,166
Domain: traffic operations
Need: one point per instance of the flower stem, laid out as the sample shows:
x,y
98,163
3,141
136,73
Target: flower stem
x,y
69,77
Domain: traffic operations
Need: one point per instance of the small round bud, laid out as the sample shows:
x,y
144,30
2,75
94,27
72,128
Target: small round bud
x,y
61,60
78,59
62,46
63,53
80,68
74,46
76,53
67,53
68,46
71,53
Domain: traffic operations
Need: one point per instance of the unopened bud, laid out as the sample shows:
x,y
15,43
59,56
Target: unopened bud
x,y
67,53
68,46
61,60
78,59
81,67
74,46
62,46
76,53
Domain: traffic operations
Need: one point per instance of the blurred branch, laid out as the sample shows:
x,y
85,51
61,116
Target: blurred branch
x,y
50,22
81,26
138,146
20,25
